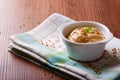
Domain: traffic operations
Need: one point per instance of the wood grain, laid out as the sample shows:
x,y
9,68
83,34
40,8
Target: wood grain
x,y
18,16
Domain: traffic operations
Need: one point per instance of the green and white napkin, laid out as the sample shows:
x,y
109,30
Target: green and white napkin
x,y
43,46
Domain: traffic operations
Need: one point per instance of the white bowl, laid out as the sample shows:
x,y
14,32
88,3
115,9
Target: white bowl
x,y
85,51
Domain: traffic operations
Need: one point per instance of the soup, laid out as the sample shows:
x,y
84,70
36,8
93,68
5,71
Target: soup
x,y
85,35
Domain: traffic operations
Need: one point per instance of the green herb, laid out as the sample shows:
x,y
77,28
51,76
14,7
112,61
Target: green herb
x,y
89,30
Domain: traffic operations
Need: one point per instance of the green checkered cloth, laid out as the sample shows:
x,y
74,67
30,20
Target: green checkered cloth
x,y
43,46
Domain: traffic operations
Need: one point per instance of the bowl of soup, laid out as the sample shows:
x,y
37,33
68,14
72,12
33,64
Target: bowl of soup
x,y
85,40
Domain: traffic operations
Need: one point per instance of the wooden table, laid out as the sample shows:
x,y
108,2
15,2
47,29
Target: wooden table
x,y
18,16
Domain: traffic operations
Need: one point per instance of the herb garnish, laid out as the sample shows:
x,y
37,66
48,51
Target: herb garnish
x,y
89,30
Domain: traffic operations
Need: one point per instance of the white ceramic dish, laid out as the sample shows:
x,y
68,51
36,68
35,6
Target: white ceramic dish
x,y
85,51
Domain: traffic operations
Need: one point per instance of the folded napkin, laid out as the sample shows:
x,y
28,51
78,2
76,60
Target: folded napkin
x,y
43,46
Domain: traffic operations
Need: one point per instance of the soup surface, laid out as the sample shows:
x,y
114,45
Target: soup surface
x,y
85,35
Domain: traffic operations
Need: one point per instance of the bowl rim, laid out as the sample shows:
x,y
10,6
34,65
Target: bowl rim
x,y
62,27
